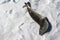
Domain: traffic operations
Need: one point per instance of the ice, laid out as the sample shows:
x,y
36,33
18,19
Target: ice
x,y
16,23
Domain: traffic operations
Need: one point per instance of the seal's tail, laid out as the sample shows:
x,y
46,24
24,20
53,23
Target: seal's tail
x,y
27,4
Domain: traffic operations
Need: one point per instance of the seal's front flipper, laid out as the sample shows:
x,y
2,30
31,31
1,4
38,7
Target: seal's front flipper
x,y
46,27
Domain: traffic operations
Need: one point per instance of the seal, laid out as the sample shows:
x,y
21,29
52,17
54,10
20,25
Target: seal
x,y
45,25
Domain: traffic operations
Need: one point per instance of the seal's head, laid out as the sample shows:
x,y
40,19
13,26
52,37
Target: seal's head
x,y
46,26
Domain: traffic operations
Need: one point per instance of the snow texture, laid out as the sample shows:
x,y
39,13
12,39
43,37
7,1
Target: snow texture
x,y
16,23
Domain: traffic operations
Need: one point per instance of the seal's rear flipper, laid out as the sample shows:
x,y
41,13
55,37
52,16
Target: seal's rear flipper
x,y
27,4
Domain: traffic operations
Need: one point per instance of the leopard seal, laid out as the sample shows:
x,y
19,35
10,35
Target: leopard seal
x,y
45,25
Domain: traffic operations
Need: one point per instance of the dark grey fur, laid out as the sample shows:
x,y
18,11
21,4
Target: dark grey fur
x,y
42,21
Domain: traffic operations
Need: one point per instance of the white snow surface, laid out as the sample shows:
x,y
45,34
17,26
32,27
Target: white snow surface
x,y
16,23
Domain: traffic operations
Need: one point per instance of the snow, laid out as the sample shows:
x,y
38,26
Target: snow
x,y
16,23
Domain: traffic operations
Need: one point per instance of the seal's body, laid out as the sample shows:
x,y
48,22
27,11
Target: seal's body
x,y
41,20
